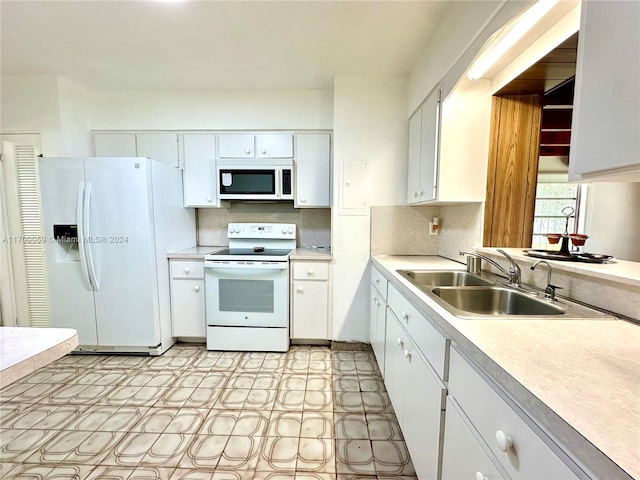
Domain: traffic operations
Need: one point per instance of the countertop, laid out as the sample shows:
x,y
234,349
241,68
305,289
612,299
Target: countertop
x,y
194,253
311,254
615,270
23,350
579,379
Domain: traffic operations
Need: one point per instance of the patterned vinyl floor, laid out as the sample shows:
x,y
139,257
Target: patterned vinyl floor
x,y
191,414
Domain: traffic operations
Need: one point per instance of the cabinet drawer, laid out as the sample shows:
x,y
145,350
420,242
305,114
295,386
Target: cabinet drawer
x,y
187,269
519,449
379,281
463,455
310,271
430,342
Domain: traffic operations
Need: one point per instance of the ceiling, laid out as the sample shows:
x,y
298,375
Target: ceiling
x,y
213,44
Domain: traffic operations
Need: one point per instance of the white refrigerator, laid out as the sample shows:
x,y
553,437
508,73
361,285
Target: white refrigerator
x,y
108,224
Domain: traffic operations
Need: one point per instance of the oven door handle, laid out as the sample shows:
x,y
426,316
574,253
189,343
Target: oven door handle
x,y
274,267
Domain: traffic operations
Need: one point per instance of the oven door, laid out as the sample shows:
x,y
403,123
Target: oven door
x,y
247,294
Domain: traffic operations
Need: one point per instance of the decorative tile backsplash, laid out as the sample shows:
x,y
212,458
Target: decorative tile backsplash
x,y
314,224
403,231
462,227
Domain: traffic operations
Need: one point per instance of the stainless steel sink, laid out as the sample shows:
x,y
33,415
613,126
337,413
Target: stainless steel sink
x,y
446,278
496,301
502,303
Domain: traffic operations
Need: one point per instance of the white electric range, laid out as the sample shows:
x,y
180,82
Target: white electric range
x,y
247,288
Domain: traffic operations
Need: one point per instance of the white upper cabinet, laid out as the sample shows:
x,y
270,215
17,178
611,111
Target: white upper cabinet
x,y
606,115
267,145
162,147
423,150
159,146
448,147
274,145
115,145
236,145
313,170
199,175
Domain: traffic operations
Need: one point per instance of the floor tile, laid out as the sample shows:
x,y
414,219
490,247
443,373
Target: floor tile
x,y
192,414
205,452
351,426
391,458
354,456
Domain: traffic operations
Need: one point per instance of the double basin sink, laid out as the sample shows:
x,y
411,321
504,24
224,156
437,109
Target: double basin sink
x,y
469,296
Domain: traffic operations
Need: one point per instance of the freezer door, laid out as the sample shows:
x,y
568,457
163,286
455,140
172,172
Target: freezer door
x,y
122,251
70,295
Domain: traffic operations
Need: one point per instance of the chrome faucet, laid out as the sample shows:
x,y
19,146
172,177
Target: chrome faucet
x,y
514,272
550,290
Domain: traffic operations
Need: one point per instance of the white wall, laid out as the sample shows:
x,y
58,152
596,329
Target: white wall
x,y
210,110
370,123
50,105
455,43
74,118
612,221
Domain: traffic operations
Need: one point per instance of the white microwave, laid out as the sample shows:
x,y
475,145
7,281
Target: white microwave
x,y
264,182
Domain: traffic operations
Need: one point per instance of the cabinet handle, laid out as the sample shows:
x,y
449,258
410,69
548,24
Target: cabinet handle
x,y
407,354
187,270
247,151
299,289
421,193
400,342
310,273
405,316
196,288
504,441
480,476
415,195
303,200
264,151
346,184
209,199
377,280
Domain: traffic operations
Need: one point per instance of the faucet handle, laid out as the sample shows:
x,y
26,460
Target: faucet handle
x,y
550,291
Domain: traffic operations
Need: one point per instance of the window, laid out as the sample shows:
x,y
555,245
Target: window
x,y
551,199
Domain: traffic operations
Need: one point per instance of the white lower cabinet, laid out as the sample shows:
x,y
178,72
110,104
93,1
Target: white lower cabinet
x,y
518,448
463,455
310,300
378,316
187,298
417,396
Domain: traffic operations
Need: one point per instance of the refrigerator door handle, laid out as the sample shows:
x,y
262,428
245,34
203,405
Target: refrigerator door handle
x,y
81,237
87,243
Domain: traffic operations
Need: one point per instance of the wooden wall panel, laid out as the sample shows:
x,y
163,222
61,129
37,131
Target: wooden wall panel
x,y
512,170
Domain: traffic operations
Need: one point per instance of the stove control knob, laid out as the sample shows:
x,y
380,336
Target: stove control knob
x,y
284,229
290,229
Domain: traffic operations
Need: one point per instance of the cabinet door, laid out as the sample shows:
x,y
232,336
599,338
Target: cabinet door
x,y
199,175
377,330
235,146
278,145
462,454
115,145
310,312
162,147
413,180
187,308
313,169
429,147
604,132
395,363
423,415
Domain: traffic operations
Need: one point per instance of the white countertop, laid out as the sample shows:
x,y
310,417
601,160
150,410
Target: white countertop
x,y
194,253
587,372
615,270
311,254
23,350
